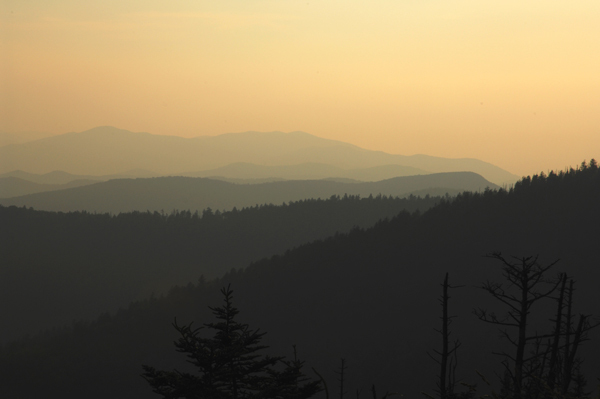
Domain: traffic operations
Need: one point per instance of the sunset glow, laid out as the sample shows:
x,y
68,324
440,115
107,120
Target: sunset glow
x,y
512,83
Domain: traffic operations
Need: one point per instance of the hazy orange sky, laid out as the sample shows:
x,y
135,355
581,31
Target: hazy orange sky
x,y
515,83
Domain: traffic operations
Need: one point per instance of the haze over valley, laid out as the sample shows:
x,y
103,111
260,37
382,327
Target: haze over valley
x,y
95,223
292,168
98,224
299,200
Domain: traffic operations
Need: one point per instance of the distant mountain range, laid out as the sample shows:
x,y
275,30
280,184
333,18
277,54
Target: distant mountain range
x,y
13,186
108,151
306,171
186,193
12,138
60,177
18,183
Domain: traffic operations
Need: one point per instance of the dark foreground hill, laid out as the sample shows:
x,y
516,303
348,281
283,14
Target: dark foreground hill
x,y
59,266
370,296
168,193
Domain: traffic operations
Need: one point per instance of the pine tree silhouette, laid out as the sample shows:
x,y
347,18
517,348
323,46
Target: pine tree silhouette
x,y
229,365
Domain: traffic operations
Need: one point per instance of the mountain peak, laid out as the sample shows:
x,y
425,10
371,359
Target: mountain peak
x,y
107,150
98,130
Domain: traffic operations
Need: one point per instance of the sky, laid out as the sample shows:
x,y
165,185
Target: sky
x,y
514,83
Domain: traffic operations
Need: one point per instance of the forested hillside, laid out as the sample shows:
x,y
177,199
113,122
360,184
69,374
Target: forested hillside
x,y
60,266
369,296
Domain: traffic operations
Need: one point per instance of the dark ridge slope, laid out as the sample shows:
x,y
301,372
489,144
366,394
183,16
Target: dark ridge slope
x,y
370,296
60,266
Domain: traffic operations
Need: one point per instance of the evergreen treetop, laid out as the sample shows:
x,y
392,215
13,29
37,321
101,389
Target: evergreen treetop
x,y
229,365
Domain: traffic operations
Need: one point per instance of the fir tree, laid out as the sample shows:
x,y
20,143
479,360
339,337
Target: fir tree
x,y
229,365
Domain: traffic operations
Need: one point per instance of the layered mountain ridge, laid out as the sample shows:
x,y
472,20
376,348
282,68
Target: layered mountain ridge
x,y
107,150
187,193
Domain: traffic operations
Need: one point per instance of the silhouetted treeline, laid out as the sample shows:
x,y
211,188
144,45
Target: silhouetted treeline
x,y
369,296
60,266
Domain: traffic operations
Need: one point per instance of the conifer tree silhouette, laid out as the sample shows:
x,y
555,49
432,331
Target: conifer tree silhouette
x,y
229,365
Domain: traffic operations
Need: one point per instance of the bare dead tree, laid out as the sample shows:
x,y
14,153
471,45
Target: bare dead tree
x,y
341,372
554,352
570,362
447,356
526,286
322,382
567,368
